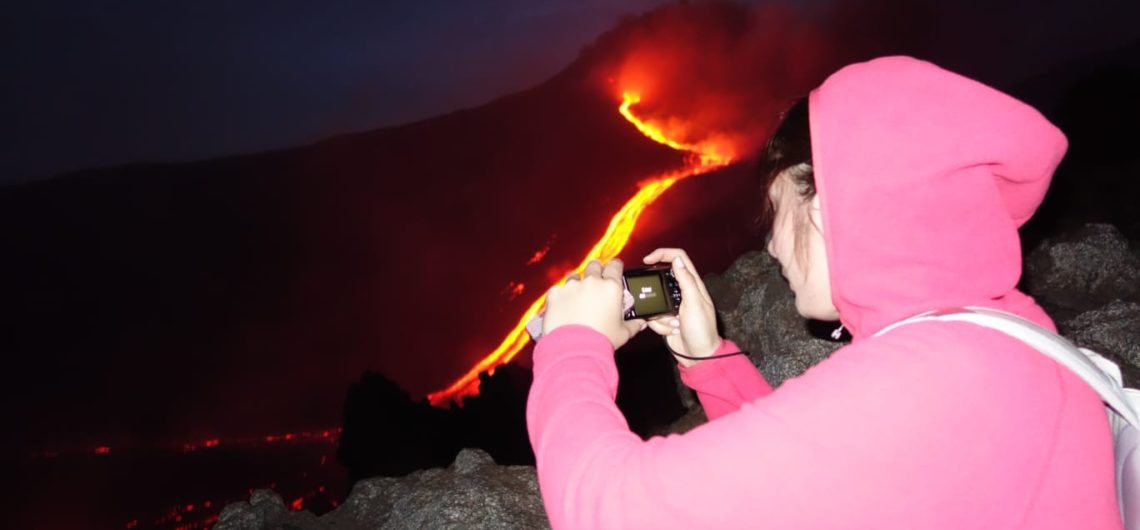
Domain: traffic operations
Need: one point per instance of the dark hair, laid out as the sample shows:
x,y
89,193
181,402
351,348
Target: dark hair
x,y
788,149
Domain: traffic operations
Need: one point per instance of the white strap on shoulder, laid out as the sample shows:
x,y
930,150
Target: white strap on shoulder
x,y
1100,373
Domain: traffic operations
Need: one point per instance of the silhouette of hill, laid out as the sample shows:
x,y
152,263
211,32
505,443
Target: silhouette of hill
x,y
157,300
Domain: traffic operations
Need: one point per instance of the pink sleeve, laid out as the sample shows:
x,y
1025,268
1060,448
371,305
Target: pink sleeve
x,y
867,439
723,385
594,473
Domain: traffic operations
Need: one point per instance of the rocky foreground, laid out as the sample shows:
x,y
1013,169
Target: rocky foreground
x,y
1088,280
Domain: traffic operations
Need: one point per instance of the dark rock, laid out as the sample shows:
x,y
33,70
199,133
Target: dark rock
x,y
1088,280
695,417
265,509
1113,331
473,493
386,433
757,311
1082,270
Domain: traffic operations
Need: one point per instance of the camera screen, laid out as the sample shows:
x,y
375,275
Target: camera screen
x,y
649,296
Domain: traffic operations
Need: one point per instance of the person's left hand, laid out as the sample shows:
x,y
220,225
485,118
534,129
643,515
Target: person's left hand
x,y
593,300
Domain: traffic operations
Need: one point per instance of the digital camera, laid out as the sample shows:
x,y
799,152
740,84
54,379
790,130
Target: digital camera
x,y
654,291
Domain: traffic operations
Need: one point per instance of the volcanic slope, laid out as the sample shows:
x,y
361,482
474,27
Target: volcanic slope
x,y
155,301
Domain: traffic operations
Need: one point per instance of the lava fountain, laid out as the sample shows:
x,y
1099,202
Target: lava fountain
x,y
705,157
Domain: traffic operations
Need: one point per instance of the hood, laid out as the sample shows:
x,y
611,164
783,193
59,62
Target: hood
x,y
924,177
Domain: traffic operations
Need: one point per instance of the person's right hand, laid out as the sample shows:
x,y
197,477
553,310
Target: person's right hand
x,y
692,331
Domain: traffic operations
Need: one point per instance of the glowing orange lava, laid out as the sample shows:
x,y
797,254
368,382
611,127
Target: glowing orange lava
x,y
607,248
710,154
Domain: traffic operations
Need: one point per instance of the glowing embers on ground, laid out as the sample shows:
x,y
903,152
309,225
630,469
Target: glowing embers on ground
x,y
329,435
313,480
612,242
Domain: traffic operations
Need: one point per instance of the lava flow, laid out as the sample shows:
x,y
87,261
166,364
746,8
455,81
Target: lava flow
x,y
706,158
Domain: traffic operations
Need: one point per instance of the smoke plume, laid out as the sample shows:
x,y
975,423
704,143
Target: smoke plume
x,y
717,75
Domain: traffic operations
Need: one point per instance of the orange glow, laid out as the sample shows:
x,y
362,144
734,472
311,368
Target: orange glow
x,y
708,152
612,242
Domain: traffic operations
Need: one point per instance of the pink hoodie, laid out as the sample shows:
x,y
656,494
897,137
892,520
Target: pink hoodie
x,y
924,177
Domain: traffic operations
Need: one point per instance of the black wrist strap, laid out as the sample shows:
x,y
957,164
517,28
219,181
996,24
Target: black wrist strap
x,y
721,356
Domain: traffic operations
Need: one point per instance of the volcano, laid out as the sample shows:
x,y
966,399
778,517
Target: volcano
x,y
221,308
153,303
172,305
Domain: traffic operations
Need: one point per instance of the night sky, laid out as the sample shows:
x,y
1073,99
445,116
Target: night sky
x,y
98,83
90,84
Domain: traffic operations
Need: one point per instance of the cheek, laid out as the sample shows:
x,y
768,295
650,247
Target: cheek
x,y
781,238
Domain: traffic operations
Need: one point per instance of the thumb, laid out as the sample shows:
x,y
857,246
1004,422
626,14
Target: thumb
x,y
634,326
685,278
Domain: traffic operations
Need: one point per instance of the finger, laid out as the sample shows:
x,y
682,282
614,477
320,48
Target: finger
x,y
572,277
668,255
661,255
663,327
653,257
593,268
672,255
634,326
690,283
612,270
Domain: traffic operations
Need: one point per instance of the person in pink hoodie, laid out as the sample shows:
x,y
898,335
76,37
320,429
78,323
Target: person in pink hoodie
x,y
897,189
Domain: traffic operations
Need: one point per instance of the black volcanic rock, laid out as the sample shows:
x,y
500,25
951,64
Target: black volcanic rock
x,y
473,493
386,433
757,310
1112,330
1082,270
265,509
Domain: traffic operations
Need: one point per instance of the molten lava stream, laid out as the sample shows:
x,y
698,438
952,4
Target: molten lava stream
x,y
608,247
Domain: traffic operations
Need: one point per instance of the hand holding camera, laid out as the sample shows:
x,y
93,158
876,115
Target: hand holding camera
x,y
593,300
616,303
692,331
